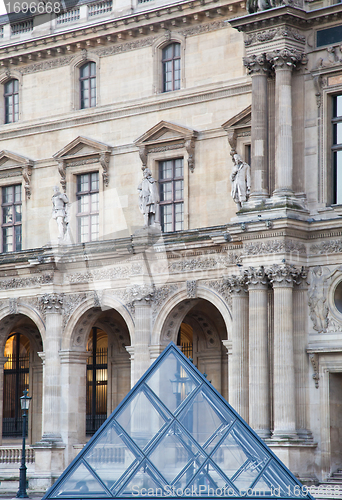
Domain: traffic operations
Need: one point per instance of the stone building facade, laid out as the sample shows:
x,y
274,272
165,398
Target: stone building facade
x,y
249,285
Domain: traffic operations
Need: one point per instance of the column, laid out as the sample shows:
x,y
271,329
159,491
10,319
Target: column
x,y
284,410
73,402
301,360
238,358
259,391
51,428
283,62
3,360
258,68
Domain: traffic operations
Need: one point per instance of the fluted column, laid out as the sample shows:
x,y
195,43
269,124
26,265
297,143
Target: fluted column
x,y
238,359
258,68
259,390
284,410
51,423
283,62
301,360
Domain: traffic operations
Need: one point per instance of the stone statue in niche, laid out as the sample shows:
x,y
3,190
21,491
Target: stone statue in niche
x,y
241,180
149,199
318,298
60,212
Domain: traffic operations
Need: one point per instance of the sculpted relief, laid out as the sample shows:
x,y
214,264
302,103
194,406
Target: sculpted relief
x,y
318,298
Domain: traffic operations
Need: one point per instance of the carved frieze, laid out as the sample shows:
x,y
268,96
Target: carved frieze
x,y
70,302
191,289
160,296
222,288
193,265
26,282
274,33
101,274
326,247
46,65
274,246
52,302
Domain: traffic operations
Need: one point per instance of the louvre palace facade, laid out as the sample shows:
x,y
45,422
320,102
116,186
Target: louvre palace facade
x,y
171,171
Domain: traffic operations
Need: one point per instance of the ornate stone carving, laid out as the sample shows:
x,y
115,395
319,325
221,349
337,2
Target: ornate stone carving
x,y
222,288
84,161
203,28
190,149
326,247
143,156
241,180
160,296
52,302
140,293
191,289
99,274
237,284
274,246
62,173
314,361
317,294
26,282
192,265
26,173
70,302
256,277
286,58
256,64
13,306
104,161
46,65
149,199
60,212
36,304
161,149
282,274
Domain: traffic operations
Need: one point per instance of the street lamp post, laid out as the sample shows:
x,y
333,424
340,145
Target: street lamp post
x,y
25,404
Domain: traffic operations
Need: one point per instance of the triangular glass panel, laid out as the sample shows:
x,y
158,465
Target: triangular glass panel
x,y
174,436
80,483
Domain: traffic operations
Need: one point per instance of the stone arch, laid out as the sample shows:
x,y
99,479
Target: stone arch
x,y
20,309
85,314
176,308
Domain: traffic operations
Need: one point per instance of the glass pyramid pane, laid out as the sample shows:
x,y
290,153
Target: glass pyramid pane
x,y
203,418
80,483
140,419
209,482
173,452
144,482
239,458
110,456
261,488
173,381
282,485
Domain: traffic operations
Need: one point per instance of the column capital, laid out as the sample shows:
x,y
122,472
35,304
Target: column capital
x,y
52,302
286,59
73,356
237,284
257,64
283,275
256,278
142,294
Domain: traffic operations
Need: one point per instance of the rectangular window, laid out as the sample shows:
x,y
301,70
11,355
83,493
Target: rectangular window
x,y
88,207
11,94
171,186
11,218
337,149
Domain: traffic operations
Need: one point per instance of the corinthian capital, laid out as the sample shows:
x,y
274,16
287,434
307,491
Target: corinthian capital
x,y
256,277
237,284
286,58
256,64
283,275
52,302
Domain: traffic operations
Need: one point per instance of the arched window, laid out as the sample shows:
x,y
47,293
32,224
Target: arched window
x,y
171,61
97,377
11,96
88,85
16,380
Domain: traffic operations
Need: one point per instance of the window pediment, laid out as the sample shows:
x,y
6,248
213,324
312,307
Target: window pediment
x,y
14,165
83,151
238,126
167,136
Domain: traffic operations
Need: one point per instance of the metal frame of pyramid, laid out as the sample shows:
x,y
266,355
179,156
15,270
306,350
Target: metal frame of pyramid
x,y
175,436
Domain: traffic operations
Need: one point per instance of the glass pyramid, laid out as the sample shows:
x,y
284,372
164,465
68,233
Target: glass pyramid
x,y
174,436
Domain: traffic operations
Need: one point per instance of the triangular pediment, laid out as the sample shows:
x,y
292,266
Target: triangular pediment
x,y
242,119
165,132
12,160
174,436
82,146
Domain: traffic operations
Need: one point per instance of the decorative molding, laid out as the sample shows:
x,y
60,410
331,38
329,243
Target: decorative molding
x,y
46,65
222,288
193,265
26,282
161,149
256,64
142,293
315,364
326,247
191,289
27,172
160,296
104,162
256,277
285,58
36,304
62,173
53,302
85,161
283,274
100,274
274,246
237,284
190,149
203,28
70,303
270,34
13,305
13,165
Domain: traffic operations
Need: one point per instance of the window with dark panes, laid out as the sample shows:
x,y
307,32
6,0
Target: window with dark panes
x,y
88,85
88,207
171,186
171,67
11,218
11,95
337,149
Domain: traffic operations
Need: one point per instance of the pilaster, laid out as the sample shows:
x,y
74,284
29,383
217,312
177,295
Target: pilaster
x,y
3,360
238,362
259,389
